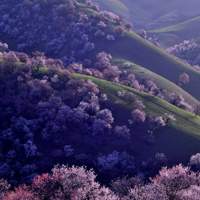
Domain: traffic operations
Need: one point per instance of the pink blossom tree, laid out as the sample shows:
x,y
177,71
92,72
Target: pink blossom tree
x,y
184,79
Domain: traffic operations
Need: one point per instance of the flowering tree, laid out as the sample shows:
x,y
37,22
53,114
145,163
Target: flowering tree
x,y
138,116
150,192
191,193
63,183
3,47
187,50
122,131
4,187
195,161
184,79
21,193
175,179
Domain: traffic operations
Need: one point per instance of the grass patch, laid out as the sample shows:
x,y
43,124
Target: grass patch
x,y
133,48
162,82
178,27
185,122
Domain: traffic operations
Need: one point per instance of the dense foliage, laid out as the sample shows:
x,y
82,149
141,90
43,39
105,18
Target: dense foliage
x,y
71,30
52,118
67,29
187,50
43,105
177,183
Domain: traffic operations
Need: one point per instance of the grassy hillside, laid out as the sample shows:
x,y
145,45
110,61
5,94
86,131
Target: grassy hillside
x,y
185,30
130,46
185,121
135,49
129,10
163,83
155,12
114,5
182,133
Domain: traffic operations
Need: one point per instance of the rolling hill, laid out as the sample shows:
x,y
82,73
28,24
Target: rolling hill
x,y
130,11
133,48
184,28
57,99
65,99
182,133
152,13
128,46
164,84
185,121
118,6
173,34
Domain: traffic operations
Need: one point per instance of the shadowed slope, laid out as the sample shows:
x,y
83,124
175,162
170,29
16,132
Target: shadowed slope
x,y
162,82
135,49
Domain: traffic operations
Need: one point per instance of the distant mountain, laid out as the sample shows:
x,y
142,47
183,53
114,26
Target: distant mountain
x,y
152,13
185,30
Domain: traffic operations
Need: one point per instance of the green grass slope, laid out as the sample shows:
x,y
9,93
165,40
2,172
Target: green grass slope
x,y
133,48
163,83
129,10
183,133
186,30
185,121
145,12
114,5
